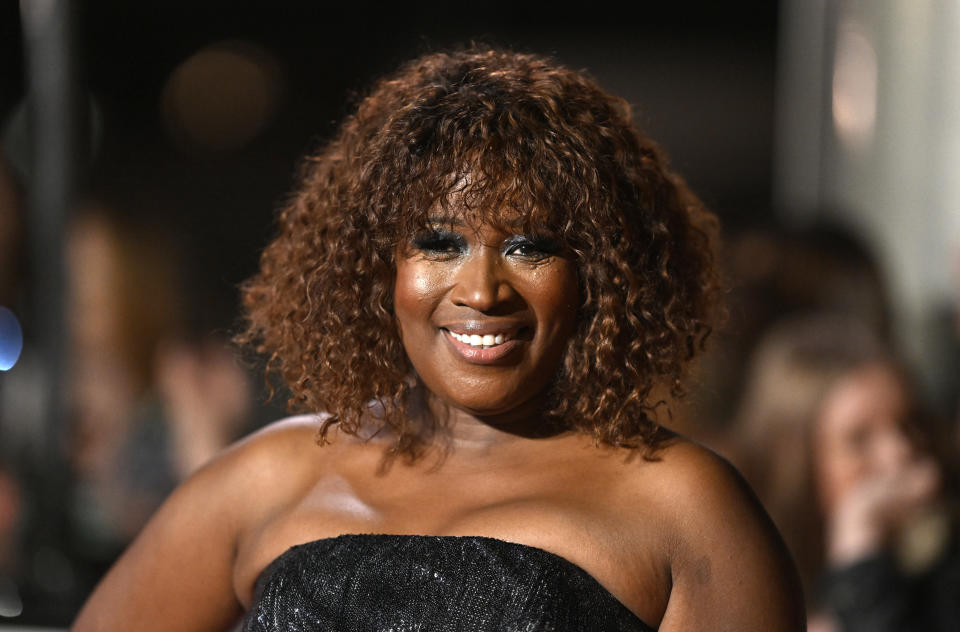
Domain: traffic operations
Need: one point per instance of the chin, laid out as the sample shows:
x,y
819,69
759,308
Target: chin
x,y
483,395
484,407
485,403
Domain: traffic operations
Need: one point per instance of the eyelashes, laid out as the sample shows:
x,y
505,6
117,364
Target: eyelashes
x,y
447,243
440,242
533,246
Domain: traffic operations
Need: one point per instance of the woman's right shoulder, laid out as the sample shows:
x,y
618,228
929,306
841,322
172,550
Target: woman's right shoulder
x,y
178,573
279,440
268,465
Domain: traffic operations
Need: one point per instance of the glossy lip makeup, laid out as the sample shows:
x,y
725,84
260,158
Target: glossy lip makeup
x,y
477,347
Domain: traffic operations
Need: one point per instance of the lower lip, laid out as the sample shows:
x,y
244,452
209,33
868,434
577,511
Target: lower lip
x,y
479,355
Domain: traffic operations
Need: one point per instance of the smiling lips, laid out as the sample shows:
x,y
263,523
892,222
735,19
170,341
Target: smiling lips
x,y
485,348
475,340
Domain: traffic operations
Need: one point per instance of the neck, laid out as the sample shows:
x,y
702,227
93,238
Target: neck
x,y
470,430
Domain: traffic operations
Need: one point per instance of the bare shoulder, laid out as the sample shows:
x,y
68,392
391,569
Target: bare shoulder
x,y
260,470
698,481
729,567
177,574
271,455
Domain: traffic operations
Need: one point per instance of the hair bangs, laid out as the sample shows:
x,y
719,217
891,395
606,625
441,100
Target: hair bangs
x,y
475,187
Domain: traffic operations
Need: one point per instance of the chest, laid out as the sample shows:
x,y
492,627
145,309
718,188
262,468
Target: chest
x,y
581,518
396,582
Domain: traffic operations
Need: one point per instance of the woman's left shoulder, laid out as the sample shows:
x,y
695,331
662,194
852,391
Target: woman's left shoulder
x,y
696,478
729,566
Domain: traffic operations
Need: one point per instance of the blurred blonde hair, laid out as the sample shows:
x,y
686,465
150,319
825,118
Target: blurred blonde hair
x,y
140,284
792,370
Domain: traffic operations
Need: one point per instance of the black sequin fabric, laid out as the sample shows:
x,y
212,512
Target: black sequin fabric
x,y
411,583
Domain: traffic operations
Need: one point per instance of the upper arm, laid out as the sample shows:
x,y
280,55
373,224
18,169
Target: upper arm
x,y
730,569
178,573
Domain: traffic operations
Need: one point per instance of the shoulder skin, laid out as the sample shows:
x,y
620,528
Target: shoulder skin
x,y
729,567
177,574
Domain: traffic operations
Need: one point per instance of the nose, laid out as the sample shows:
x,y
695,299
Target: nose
x,y
482,283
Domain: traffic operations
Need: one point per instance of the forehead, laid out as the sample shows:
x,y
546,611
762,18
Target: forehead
x,y
473,205
476,222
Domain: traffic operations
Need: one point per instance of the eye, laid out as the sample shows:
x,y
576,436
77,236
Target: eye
x,y
533,248
440,243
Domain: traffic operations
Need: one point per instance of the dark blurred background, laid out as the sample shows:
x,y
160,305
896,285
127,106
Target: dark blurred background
x,y
189,118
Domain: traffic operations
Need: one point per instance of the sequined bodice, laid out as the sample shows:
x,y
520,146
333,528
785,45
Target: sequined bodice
x,y
404,583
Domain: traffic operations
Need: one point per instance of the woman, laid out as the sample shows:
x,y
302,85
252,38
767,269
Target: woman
x,y
482,280
839,453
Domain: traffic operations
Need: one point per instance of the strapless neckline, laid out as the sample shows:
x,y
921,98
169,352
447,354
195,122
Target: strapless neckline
x,y
366,540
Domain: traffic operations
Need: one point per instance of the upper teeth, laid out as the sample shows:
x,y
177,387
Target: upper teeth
x,y
476,340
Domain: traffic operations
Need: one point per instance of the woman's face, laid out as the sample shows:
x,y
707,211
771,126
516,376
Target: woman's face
x,y
485,315
861,432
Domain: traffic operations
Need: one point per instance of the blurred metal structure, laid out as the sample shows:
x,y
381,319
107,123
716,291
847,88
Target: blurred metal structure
x,y
57,130
868,132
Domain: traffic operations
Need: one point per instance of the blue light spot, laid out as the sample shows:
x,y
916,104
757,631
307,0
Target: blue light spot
x,y
11,339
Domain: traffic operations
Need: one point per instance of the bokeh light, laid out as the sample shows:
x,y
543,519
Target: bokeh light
x,y
855,86
222,96
11,339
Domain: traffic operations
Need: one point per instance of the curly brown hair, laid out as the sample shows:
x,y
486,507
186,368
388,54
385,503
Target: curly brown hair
x,y
497,130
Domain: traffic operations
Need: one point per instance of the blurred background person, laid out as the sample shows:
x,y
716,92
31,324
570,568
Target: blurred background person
x,y
772,272
149,400
855,474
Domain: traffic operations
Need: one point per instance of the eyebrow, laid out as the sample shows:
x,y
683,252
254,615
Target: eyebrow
x,y
450,221
457,221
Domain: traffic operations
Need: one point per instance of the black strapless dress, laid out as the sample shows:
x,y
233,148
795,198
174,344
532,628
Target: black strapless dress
x,y
407,583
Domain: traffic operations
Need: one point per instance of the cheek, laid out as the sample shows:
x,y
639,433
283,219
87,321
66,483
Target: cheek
x,y
555,294
836,473
414,291
839,464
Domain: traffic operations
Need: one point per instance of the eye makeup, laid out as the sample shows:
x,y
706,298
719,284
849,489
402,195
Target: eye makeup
x,y
440,241
533,246
444,241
